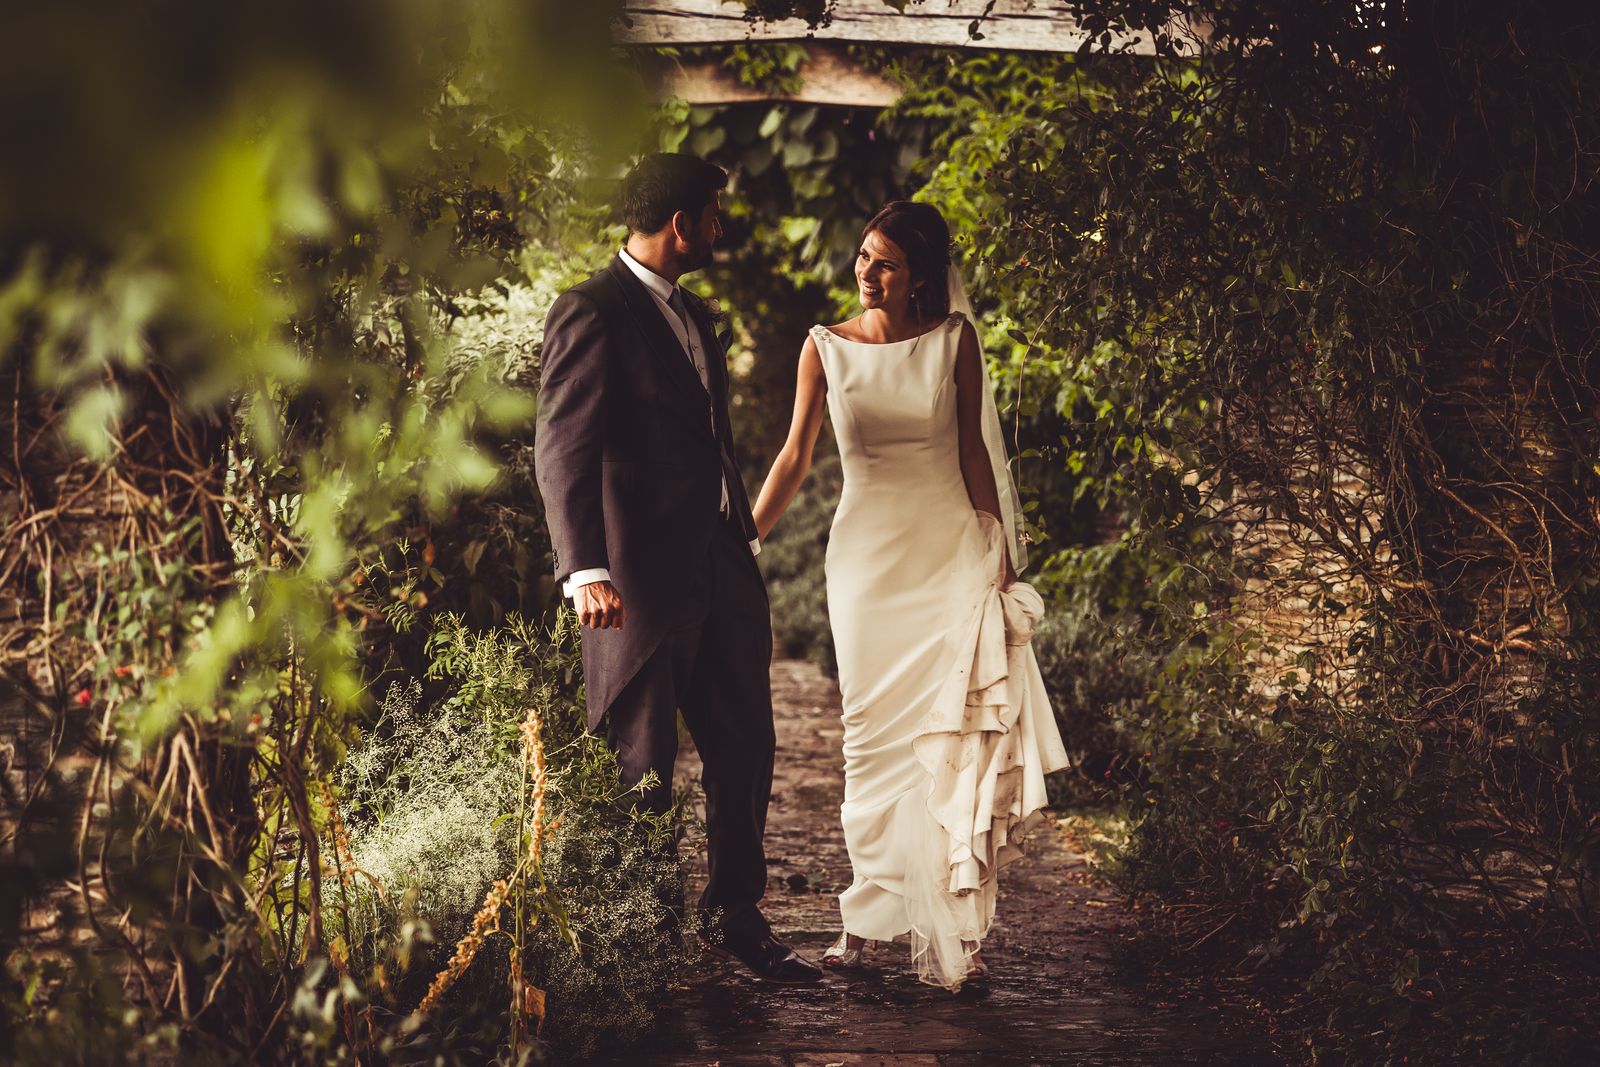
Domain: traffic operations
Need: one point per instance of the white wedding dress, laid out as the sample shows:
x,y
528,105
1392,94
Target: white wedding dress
x,y
948,731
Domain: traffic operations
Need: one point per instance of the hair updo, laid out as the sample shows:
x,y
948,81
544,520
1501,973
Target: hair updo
x,y
924,237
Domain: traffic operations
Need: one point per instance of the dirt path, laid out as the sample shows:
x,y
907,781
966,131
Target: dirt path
x,y
1056,995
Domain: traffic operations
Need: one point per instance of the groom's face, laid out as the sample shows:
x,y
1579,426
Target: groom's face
x,y
697,237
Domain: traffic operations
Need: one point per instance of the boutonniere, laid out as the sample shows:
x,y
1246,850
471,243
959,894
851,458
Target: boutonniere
x,y
719,319
713,309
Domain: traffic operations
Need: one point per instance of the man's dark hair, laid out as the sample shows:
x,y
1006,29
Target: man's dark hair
x,y
663,184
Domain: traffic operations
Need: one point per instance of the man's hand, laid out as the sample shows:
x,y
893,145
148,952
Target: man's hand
x,y
599,606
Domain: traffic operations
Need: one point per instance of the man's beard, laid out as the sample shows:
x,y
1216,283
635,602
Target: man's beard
x,y
697,257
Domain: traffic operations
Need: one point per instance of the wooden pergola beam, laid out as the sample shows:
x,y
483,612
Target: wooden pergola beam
x,y
1015,25
827,76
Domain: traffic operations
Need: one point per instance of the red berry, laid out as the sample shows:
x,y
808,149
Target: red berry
x,y
83,697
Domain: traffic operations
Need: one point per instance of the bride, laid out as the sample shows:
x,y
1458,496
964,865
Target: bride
x,y
948,732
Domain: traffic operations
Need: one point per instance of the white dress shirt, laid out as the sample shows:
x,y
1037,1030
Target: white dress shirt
x,y
694,347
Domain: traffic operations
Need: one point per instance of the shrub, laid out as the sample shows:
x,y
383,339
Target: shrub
x,y
1294,339
433,800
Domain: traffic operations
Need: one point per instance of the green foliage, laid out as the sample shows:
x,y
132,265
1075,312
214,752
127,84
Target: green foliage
x,y
268,310
430,797
1276,290
89,1021
303,232
773,68
1311,480
1101,650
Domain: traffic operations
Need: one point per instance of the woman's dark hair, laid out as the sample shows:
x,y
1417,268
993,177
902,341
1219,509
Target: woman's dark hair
x,y
924,237
663,184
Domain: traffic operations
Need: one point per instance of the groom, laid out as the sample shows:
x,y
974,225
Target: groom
x,y
654,540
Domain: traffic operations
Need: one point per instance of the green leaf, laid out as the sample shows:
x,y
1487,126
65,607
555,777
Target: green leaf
x,y
773,120
92,421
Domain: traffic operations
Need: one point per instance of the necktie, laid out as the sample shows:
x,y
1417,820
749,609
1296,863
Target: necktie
x,y
692,343
675,302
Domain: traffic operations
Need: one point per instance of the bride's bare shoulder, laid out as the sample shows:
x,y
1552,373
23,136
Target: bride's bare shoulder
x,y
846,330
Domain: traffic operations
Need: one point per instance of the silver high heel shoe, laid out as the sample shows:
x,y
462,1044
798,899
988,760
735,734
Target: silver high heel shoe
x,y
840,956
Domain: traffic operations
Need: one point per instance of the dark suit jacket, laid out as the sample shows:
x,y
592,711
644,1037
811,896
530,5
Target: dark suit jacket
x,y
627,461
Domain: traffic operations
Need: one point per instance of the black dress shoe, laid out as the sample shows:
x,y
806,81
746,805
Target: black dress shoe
x,y
769,959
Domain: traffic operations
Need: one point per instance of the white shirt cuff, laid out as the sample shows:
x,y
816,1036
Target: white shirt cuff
x,y
578,579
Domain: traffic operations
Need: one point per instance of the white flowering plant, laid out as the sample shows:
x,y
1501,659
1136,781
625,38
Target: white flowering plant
x,y
493,820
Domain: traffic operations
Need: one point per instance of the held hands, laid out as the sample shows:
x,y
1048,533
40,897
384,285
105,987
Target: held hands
x,y
599,606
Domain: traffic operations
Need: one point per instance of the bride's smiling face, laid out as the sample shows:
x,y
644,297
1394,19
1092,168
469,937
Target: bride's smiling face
x,y
882,274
